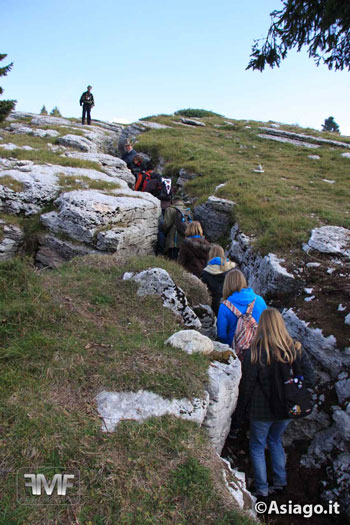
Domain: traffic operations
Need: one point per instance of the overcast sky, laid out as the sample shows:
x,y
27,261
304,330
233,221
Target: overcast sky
x,y
146,57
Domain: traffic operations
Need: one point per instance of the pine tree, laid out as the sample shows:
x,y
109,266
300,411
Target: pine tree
x,y
330,125
55,112
6,106
321,25
43,111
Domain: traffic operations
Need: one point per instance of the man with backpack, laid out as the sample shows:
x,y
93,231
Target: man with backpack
x,y
176,218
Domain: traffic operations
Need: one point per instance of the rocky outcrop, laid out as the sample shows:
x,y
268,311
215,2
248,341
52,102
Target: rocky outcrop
x,y
330,239
114,407
132,131
265,274
236,484
11,240
192,122
185,176
191,342
300,139
157,281
322,349
215,216
20,129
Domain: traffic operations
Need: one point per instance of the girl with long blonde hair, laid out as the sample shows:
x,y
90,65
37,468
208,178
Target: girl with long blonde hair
x,y
272,344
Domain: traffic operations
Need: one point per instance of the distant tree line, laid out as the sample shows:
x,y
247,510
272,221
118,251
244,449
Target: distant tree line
x,y
55,112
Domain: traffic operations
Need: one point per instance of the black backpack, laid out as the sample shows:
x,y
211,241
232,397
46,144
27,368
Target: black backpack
x,y
182,219
289,396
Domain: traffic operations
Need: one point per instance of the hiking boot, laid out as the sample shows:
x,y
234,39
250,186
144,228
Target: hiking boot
x,y
277,490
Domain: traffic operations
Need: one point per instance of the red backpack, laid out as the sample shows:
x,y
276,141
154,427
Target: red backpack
x,y
142,178
245,330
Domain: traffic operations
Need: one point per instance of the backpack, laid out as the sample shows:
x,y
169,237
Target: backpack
x,y
142,178
165,191
245,330
182,220
289,397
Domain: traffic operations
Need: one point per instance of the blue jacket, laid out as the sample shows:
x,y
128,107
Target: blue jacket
x,y
227,321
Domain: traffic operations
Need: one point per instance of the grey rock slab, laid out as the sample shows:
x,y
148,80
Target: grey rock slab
x,y
89,217
46,120
236,485
20,129
52,251
321,447
191,341
286,140
207,318
157,281
215,216
342,421
307,427
11,241
342,387
308,138
339,472
331,239
114,407
223,388
77,142
265,274
192,122
113,166
322,349
346,155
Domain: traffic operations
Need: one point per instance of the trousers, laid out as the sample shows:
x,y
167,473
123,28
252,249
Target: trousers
x,y
87,112
270,432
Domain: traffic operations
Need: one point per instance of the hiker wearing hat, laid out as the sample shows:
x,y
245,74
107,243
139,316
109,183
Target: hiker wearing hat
x,y
176,217
129,154
87,101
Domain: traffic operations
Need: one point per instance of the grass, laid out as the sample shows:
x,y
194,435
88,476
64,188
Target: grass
x,y
278,207
64,336
11,183
68,183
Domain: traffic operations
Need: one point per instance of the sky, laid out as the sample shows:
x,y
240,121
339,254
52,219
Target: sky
x,y
145,57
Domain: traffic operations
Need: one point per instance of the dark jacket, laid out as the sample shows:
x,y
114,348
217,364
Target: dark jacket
x,y
129,156
213,276
87,98
173,238
194,254
256,384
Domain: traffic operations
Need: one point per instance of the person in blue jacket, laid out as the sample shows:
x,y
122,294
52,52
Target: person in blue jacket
x,y
236,291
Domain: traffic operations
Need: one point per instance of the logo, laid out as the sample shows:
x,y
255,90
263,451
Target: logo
x,y
48,486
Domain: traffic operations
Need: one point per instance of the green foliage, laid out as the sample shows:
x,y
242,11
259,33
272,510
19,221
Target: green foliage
x,y
6,106
189,112
330,125
43,111
55,112
321,25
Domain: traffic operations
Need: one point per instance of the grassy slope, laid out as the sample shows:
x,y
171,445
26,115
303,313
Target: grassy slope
x,y
65,336
278,207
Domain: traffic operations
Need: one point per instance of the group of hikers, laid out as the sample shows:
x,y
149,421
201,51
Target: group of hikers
x,y
276,372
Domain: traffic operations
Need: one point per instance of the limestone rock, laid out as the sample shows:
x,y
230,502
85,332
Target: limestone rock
x,y
21,129
331,239
215,217
207,318
11,240
322,349
304,140
110,223
236,484
192,122
342,420
307,427
265,274
223,390
157,281
77,142
339,473
114,407
346,155
113,166
133,130
46,120
342,388
191,342
53,251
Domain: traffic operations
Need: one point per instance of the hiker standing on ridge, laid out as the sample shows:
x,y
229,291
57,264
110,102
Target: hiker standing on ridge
x,y
87,101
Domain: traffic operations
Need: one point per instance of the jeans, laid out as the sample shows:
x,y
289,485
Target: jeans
x,y
86,111
270,432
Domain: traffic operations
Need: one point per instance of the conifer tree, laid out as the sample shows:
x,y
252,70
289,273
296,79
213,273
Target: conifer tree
x,y
323,26
6,106
330,125
55,112
43,111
